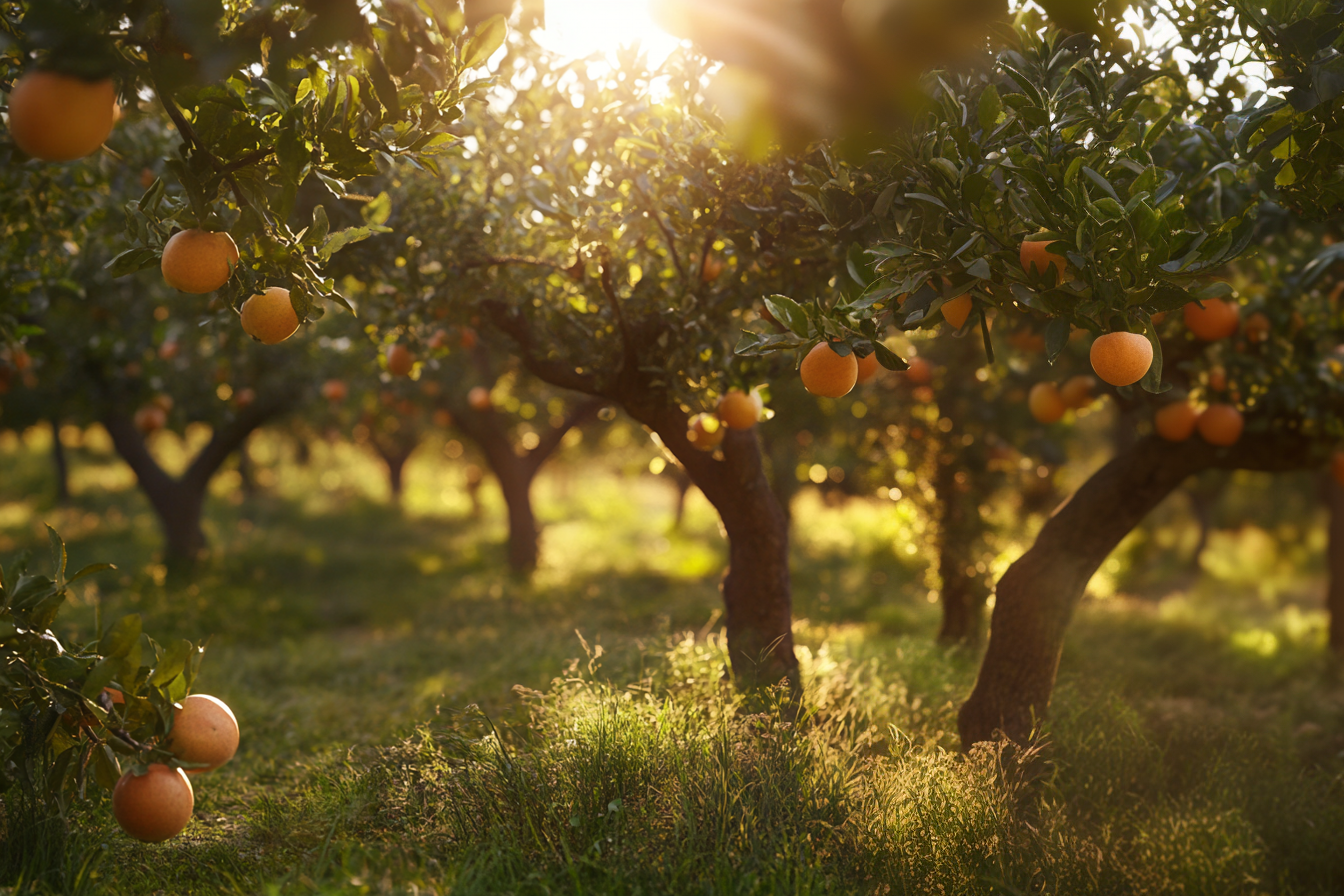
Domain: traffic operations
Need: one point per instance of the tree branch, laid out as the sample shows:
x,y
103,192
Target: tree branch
x,y
227,438
557,373
584,413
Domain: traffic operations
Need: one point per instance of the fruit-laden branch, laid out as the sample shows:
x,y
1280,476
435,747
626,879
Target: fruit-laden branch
x,y
1036,597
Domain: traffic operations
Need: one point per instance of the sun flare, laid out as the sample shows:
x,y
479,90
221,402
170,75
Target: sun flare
x,y
578,28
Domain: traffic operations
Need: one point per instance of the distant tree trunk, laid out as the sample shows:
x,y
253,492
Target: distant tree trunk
x,y
475,476
1334,596
179,501
961,596
59,464
1203,494
1036,597
682,483
394,456
247,477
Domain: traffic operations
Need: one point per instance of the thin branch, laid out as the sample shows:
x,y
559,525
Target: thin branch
x,y
557,373
609,289
667,233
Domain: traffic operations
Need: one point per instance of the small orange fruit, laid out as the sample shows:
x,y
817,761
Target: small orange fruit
x,y
738,410
204,730
335,390
269,316
827,373
169,350
919,372
1175,422
1077,391
479,398
468,340
150,418
711,269
198,261
1216,320
1337,466
1045,403
868,368
400,361
1121,358
706,432
955,311
1038,259
59,118
154,806
116,696
1221,424
438,340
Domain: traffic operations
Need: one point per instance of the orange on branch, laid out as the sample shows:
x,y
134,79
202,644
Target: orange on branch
x,y
1217,378
269,316
479,398
1175,422
738,410
154,806
59,118
1221,424
204,730
150,418
1121,358
198,261
1045,403
335,390
169,350
1078,391
1216,320
827,373
705,431
400,361
1037,259
955,311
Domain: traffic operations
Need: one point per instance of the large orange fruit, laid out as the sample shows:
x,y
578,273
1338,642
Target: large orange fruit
x,y
1121,358
58,118
705,432
955,311
1045,403
154,806
400,361
828,374
1216,320
1221,424
1037,259
738,410
868,368
204,730
198,261
1077,391
269,316
1175,422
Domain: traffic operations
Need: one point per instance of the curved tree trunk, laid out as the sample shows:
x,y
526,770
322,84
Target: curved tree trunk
x,y
1037,595
1334,595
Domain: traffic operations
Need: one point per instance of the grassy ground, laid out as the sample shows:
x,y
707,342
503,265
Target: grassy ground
x,y
416,721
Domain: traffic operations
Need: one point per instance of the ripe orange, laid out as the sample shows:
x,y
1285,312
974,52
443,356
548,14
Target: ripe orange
x,y
1221,424
828,374
1121,358
1217,378
738,410
438,340
59,118
198,261
1337,466
1257,327
705,432
468,340
1036,258
1077,391
400,361
1175,422
712,268
919,372
1216,320
204,730
269,317
957,310
115,695
150,418
1045,403
868,368
169,350
154,806
479,398
335,390
442,418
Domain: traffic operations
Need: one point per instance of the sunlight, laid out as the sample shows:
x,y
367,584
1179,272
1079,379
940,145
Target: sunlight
x,y
578,28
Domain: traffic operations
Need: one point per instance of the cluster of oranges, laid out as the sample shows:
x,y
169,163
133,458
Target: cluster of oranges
x,y
157,804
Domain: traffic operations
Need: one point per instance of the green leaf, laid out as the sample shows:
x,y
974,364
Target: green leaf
x,y
790,314
121,637
1152,380
989,111
488,38
133,260
1056,337
884,200
170,666
888,358
377,210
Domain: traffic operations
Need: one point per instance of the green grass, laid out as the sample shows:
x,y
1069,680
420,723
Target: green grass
x,y
417,721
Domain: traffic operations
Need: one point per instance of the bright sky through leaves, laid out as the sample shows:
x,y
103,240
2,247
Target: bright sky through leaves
x,y
578,28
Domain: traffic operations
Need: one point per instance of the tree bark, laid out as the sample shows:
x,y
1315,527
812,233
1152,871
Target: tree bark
x,y
179,501
959,592
60,464
1334,595
394,458
1036,597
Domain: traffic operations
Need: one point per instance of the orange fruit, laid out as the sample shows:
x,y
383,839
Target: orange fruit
x,y
1217,379
269,316
335,390
59,118
919,372
1037,259
1121,358
169,350
400,361
868,368
711,269
442,418
198,261
1045,403
204,730
150,418
154,806
1175,422
955,311
705,432
468,340
1077,391
116,696
1216,320
479,398
828,374
1257,327
244,397
1337,466
1221,424
438,340
738,410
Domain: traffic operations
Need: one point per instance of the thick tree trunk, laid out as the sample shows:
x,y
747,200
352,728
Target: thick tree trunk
x,y
1334,595
524,548
1037,595
59,464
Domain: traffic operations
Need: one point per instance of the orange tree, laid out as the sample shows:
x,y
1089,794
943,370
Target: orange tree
x,y
1086,184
